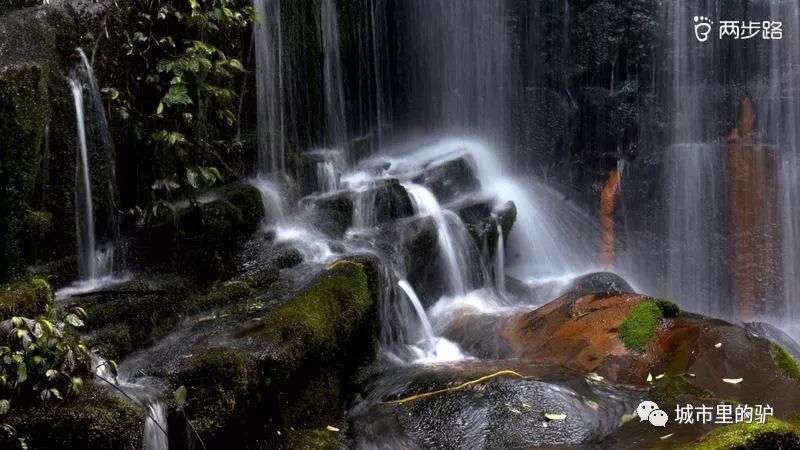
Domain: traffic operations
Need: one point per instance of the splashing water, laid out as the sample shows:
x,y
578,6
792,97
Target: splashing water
x,y
431,348
425,203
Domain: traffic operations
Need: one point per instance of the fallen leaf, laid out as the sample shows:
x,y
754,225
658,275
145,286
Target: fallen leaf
x,y
515,411
550,416
733,380
330,428
594,377
718,345
658,377
649,377
526,407
666,436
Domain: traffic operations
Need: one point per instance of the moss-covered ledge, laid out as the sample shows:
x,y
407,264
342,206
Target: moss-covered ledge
x,y
296,371
320,322
774,434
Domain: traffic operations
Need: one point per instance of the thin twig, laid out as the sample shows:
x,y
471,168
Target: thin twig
x,y
460,386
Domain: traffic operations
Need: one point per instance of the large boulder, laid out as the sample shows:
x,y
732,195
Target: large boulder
x,y
134,314
636,340
379,202
451,178
202,241
254,371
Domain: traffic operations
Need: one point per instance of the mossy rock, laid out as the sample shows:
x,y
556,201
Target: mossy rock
x,y
247,199
311,438
93,420
774,434
220,385
134,314
670,387
786,364
22,116
25,298
641,324
319,323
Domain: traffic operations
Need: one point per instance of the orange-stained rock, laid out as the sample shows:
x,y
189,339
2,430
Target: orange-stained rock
x,y
580,331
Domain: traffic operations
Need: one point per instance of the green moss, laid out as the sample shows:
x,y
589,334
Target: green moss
x,y
21,133
320,320
221,295
218,384
311,438
786,364
248,200
640,325
94,420
772,434
670,387
668,308
25,298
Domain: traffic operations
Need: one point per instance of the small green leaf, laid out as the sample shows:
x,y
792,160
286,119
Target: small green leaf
x,y
551,416
73,320
180,396
51,373
56,393
160,108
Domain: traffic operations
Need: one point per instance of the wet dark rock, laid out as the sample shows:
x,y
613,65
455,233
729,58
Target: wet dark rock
x,y
203,241
134,314
502,412
286,256
450,179
482,216
774,334
600,282
388,199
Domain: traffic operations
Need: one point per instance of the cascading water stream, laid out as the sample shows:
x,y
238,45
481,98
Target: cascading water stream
x,y
84,214
500,262
155,434
269,86
430,348
335,116
425,203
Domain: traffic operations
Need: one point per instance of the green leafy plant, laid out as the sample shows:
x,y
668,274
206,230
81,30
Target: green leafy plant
x,y
41,358
177,93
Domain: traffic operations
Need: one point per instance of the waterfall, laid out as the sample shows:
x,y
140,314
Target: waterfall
x,y
782,118
427,329
500,262
450,245
326,176
84,214
155,435
269,86
335,117
155,427
271,198
430,348
460,82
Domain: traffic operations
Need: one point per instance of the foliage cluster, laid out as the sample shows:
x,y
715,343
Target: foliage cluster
x,y
41,358
176,96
